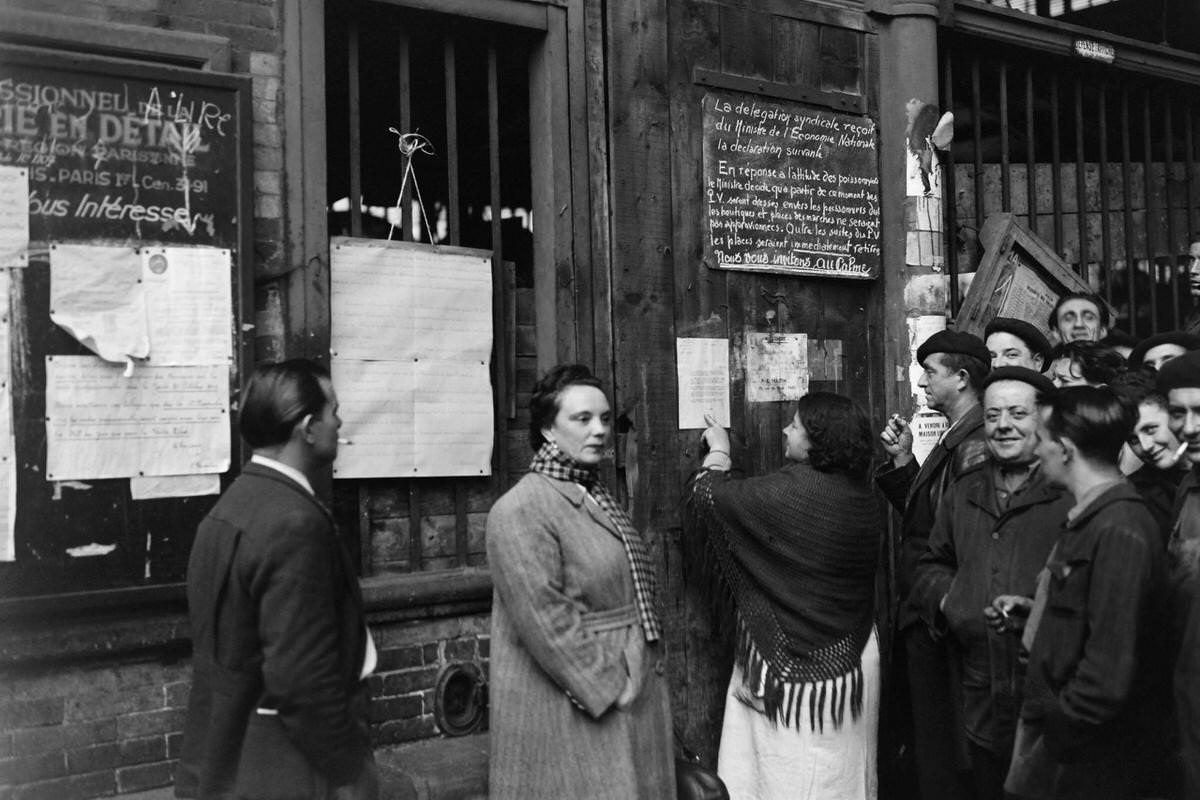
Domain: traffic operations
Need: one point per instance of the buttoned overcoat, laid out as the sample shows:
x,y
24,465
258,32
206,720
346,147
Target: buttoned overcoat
x,y
564,628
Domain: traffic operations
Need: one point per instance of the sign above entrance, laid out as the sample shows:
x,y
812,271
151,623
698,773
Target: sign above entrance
x,y
789,188
1096,51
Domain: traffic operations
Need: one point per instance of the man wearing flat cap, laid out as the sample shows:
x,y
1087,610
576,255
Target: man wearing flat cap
x,y
1154,351
954,366
995,528
1015,343
1179,380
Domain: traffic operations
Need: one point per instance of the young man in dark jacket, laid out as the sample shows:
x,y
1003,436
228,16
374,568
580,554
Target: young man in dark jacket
x,y
1096,677
994,530
278,706
954,366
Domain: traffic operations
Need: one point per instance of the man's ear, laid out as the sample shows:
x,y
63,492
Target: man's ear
x,y
1070,451
303,428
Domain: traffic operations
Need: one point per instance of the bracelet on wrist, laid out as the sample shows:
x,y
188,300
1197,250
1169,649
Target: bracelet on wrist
x,y
711,451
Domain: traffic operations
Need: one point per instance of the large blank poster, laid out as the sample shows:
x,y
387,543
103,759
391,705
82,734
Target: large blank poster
x,y
411,337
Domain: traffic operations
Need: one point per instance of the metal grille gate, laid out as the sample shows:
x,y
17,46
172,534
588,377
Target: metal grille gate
x,y
1099,162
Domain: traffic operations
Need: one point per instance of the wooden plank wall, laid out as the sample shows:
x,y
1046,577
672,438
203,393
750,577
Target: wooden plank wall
x,y
661,289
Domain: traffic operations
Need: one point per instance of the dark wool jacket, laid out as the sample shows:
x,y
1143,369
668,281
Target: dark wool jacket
x,y
1185,612
277,625
917,492
1159,487
1097,670
976,553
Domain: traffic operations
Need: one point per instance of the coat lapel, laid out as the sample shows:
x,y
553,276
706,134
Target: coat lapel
x,y
578,497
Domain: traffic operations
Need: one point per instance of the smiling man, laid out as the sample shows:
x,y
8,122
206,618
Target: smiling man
x,y
993,532
1154,351
1079,317
1015,343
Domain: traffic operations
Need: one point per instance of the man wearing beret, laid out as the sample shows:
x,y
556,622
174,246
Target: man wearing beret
x,y
1154,351
1016,343
1179,380
954,365
995,528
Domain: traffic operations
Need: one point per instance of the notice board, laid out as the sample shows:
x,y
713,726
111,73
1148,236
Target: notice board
x,y
116,154
1019,276
789,188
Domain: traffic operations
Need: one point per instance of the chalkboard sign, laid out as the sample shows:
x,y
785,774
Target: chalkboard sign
x,y
116,153
790,188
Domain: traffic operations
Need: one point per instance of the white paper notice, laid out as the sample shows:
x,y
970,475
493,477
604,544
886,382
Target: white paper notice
x,y
392,301
96,295
159,421
189,304
411,341
776,367
703,372
14,216
396,430
8,461
153,487
927,428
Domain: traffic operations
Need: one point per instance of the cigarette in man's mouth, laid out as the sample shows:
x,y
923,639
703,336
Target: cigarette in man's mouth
x,y
345,441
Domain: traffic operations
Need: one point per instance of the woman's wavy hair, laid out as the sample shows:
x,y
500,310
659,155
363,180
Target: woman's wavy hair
x,y
543,401
839,434
1097,363
1097,419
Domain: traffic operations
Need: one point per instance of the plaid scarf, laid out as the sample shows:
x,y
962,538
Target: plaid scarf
x,y
553,463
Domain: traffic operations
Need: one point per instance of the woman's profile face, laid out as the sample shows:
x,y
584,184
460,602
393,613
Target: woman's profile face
x,y
795,441
581,425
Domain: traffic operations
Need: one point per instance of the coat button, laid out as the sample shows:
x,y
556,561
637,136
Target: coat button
x,y
659,667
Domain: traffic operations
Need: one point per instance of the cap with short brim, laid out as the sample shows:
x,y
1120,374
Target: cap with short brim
x,y
953,342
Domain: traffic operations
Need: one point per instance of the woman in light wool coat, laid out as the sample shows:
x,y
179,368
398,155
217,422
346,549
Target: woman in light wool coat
x,y
579,701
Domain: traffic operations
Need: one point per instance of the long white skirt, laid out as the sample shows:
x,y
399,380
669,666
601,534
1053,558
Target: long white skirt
x,y
761,761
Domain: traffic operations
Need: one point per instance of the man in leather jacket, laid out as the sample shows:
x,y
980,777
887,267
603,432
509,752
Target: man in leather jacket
x,y
954,365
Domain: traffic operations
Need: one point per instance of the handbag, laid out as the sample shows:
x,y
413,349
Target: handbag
x,y
693,780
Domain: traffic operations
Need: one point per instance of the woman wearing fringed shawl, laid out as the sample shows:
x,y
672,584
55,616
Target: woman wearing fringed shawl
x,y
579,701
792,558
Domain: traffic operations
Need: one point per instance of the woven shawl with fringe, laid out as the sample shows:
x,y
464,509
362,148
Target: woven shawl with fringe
x,y
792,558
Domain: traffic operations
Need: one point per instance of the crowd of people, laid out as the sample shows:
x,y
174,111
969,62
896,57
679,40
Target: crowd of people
x,y
1043,640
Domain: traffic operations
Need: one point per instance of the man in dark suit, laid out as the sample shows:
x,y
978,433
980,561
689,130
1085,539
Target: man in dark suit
x,y
278,707
954,365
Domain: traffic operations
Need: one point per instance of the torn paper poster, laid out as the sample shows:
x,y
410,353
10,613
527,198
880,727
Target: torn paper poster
x,y
154,487
776,367
92,549
97,295
14,216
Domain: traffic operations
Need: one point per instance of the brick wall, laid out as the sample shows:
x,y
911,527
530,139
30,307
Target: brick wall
x,y
90,731
68,733
411,656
